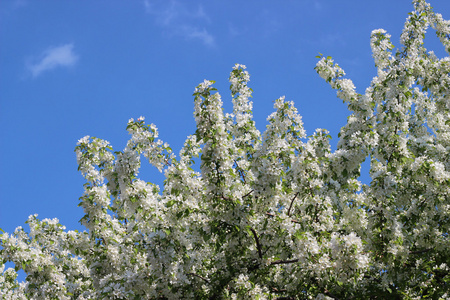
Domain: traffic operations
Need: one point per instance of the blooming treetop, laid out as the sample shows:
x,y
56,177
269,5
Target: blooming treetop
x,y
276,215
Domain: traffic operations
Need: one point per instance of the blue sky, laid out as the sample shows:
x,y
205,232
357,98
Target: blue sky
x,y
76,68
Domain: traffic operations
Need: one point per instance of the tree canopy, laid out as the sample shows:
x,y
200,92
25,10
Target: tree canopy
x,y
273,215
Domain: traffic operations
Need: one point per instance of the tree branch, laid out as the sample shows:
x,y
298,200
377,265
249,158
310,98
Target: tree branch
x,y
226,198
273,215
167,162
278,291
292,202
282,262
241,172
201,277
246,195
258,245
420,251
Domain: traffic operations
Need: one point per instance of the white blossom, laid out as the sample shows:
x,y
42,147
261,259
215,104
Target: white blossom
x,y
270,215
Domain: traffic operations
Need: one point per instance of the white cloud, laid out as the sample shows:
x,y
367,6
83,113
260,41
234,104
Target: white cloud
x,y
197,33
61,56
178,20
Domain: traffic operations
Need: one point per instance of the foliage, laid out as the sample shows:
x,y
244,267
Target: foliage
x,y
276,215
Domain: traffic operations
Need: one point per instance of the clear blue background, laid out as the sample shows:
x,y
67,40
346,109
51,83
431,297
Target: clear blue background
x,y
123,59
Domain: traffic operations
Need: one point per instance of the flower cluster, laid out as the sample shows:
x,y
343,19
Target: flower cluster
x,y
276,215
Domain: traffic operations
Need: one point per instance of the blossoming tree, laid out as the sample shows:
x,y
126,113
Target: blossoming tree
x,y
276,215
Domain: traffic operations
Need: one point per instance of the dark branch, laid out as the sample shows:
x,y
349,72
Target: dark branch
x,y
280,262
292,202
226,198
241,172
258,245
420,251
246,195
167,162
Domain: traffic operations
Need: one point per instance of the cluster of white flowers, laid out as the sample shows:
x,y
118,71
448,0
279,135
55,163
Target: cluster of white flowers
x,y
380,42
272,215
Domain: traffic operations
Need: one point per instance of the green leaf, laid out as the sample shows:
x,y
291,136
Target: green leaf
x,y
300,235
170,203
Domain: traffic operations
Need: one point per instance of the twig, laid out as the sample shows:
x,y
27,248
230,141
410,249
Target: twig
x,y
292,202
203,278
278,291
229,199
226,198
273,215
247,194
167,162
258,245
241,172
